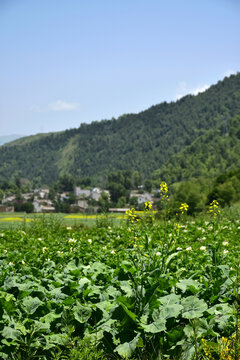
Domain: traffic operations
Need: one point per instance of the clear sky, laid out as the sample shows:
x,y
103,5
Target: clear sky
x,y
64,62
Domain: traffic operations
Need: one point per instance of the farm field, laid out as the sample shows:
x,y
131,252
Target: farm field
x,y
143,289
14,220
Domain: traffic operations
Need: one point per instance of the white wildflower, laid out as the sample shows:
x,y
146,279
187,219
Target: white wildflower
x,y
158,253
113,252
23,262
11,263
90,241
69,228
179,248
225,243
189,248
5,251
40,239
203,248
44,249
72,241
225,252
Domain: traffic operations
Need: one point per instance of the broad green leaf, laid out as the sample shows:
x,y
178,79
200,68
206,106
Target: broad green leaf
x,y
170,299
31,304
10,333
193,307
106,307
167,311
200,328
56,339
71,266
112,292
126,350
125,285
7,302
4,356
82,313
223,315
170,307
189,284
49,318
155,327
83,281
108,326
58,294
21,327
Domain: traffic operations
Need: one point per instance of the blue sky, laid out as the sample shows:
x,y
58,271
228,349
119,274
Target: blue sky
x,y
67,62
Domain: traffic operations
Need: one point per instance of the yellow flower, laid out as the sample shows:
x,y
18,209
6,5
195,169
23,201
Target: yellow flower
x,y
147,205
164,189
213,207
184,208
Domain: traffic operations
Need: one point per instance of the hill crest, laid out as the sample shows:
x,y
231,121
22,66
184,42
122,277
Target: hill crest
x,y
148,142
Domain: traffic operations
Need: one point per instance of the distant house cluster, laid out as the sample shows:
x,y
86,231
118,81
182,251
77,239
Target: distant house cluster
x,y
42,203
85,200
83,196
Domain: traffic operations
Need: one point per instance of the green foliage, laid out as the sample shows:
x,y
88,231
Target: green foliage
x,y
195,136
193,192
143,290
226,188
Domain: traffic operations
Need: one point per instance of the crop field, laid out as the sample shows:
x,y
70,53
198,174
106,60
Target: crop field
x,y
144,289
13,220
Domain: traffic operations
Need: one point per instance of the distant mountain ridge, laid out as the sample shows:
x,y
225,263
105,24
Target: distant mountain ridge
x,y
7,138
194,136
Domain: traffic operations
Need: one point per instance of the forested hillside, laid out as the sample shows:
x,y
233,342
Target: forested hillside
x,y
197,135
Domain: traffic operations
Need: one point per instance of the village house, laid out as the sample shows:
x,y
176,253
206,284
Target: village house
x,y
81,193
27,196
9,199
82,205
41,205
93,194
5,208
142,198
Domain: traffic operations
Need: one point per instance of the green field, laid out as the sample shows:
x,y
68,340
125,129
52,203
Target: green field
x,y
13,220
144,289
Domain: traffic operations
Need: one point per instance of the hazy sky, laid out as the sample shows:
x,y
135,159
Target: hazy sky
x,y
64,62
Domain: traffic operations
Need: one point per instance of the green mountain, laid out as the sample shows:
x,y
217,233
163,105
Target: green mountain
x,y
7,138
196,135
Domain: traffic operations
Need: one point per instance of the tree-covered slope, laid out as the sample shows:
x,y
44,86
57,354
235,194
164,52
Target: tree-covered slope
x,y
214,152
145,142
